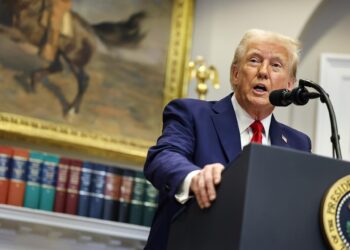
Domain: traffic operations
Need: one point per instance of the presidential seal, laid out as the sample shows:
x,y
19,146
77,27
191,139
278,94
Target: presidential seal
x,y
336,214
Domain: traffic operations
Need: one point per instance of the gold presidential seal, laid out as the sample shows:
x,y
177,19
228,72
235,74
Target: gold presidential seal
x,y
336,214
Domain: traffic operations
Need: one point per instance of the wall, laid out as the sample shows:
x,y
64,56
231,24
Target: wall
x,y
326,32
322,26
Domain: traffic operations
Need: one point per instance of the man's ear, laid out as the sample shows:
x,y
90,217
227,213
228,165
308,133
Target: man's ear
x,y
234,75
291,83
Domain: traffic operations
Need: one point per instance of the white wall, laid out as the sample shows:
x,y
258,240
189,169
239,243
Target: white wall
x,y
326,32
322,26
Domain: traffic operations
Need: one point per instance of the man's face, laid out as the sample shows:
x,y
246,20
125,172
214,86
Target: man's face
x,y
264,67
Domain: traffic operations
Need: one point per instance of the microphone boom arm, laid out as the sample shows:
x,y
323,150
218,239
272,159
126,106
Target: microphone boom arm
x,y
325,99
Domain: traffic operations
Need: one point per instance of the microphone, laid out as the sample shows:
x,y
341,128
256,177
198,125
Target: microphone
x,y
284,97
280,97
301,96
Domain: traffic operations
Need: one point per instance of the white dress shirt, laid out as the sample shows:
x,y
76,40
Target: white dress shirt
x,y
244,120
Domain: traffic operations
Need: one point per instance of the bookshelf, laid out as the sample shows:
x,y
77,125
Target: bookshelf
x,y
27,227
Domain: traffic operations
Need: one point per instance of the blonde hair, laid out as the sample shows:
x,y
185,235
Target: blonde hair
x,y
292,45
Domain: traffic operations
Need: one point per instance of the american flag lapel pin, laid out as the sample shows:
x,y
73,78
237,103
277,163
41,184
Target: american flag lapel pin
x,y
284,139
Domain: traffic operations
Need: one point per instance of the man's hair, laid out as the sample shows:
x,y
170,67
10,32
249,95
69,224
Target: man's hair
x,y
292,45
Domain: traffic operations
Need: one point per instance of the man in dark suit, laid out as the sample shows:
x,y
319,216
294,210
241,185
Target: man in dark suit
x,y
199,138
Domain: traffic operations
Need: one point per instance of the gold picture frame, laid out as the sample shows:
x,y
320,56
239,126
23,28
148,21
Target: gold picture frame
x,y
65,138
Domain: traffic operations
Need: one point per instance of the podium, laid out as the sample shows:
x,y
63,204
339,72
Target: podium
x,y
269,198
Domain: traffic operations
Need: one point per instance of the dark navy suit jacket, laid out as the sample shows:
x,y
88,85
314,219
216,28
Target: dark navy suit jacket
x,y
196,133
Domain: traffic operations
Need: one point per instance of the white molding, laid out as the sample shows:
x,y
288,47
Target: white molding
x,y
37,221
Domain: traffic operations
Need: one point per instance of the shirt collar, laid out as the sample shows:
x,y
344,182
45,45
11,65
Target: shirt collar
x,y
244,119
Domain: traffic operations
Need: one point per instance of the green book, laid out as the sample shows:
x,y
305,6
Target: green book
x,y
137,200
48,182
150,204
32,192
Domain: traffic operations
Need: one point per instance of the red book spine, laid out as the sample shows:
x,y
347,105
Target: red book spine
x,y
61,186
4,187
73,187
17,182
5,157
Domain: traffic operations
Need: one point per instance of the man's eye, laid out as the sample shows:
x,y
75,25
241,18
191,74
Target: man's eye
x,y
277,65
254,60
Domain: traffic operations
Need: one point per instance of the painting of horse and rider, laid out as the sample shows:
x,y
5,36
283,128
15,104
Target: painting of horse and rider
x,y
97,65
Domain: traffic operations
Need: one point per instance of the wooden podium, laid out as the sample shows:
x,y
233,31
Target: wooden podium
x,y
269,198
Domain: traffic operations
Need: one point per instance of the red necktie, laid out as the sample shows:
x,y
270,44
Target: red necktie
x,y
257,129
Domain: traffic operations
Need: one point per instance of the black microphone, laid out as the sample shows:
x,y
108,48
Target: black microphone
x,y
284,97
301,96
280,97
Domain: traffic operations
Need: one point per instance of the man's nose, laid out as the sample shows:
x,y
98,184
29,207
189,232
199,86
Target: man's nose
x,y
263,71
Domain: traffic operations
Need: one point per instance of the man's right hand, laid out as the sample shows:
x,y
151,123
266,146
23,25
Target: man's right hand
x,y
204,182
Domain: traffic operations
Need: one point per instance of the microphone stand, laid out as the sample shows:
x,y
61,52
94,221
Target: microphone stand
x,y
325,99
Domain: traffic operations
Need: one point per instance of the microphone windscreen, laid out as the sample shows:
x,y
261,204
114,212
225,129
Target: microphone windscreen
x,y
279,97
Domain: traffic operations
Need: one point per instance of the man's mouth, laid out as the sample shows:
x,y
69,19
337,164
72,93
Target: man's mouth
x,y
260,88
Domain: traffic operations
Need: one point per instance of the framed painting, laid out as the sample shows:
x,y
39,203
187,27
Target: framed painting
x,y
115,65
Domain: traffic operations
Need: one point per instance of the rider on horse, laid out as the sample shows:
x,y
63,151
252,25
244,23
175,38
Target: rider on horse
x,y
57,20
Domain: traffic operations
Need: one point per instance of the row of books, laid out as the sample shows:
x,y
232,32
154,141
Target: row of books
x,y
49,182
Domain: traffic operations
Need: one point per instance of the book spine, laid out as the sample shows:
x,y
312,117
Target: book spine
x,y
48,182
125,195
5,167
61,185
150,204
71,206
17,182
97,191
84,190
112,193
136,205
32,193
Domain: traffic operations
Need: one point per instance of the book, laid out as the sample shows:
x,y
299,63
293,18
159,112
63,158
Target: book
x,y
5,167
84,190
48,182
17,182
97,191
125,195
150,204
32,192
112,193
137,200
61,185
71,202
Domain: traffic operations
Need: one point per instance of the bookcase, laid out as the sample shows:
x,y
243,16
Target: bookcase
x,y
95,206
25,228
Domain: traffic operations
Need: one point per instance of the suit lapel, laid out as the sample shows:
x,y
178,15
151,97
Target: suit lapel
x,y
226,126
225,123
277,136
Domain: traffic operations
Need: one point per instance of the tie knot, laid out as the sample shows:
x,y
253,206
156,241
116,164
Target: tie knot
x,y
257,126
257,129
